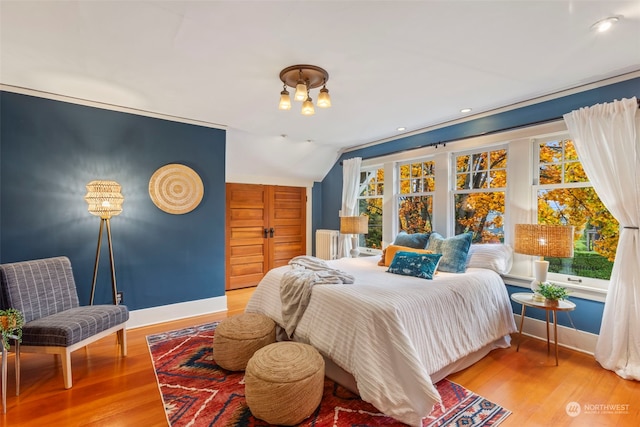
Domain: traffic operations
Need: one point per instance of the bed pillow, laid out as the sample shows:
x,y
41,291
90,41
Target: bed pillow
x,y
454,251
414,240
390,252
415,264
494,256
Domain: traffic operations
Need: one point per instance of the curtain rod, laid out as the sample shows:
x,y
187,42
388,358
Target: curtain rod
x,y
477,135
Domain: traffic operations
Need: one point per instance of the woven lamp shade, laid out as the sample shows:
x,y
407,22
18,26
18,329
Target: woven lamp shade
x,y
104,198
544,240
354,224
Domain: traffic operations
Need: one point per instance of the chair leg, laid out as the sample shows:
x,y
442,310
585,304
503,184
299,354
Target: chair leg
x,y
17,368
4,379
66,369
122,339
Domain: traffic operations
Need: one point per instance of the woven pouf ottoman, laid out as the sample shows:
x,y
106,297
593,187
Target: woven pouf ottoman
x,y
284,382
238,337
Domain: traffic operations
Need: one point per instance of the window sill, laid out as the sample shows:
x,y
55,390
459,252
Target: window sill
x,y
578,291
369,252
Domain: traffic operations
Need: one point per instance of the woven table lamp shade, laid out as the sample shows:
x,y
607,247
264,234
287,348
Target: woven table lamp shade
x,y
354,225
104,198
544,241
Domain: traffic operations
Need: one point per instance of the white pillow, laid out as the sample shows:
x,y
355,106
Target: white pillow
x,y
494,256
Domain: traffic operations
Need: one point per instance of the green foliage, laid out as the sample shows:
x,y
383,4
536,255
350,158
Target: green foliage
x,y
552,292
11,322
585,264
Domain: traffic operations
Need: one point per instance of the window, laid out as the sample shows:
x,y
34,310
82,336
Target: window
x,y
565,196
416,185
370,203
479,194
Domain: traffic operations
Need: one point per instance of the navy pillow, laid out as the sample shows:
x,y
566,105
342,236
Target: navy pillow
x,y
454,251
415,240
415,264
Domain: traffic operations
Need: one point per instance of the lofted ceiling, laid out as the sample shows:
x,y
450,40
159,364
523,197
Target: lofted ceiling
x,y
410,64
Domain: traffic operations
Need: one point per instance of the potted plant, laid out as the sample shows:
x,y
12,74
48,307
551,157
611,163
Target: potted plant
x,y
11,322
552,293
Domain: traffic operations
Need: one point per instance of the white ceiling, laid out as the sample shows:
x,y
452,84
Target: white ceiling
x,y
391,63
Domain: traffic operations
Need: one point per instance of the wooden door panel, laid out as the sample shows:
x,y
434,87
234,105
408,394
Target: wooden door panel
x,y
287,231
244,281
246,196
246,250
250,210
245,232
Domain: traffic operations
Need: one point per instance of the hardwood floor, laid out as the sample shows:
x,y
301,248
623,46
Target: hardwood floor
x,y
110,391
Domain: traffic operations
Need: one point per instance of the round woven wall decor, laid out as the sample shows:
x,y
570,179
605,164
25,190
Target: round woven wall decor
x,y
176,189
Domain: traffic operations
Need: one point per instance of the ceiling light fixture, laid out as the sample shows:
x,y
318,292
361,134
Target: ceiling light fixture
x,y
465,110
304,78
605,24
400,129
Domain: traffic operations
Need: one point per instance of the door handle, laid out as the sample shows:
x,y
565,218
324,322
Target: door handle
x,y
271,231
266,233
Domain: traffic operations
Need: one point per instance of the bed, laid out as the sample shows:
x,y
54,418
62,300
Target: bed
x,y
390,337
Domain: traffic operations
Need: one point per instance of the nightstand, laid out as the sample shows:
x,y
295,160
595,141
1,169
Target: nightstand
x,y
526,299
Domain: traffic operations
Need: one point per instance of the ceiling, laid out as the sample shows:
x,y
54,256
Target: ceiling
x,y
391,63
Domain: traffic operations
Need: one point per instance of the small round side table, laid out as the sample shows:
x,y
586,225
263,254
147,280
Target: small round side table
x,y
526,299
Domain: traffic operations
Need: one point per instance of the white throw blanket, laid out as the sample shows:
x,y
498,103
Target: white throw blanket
x,y
296,284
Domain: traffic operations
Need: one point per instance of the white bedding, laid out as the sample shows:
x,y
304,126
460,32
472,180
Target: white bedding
x,y
391,332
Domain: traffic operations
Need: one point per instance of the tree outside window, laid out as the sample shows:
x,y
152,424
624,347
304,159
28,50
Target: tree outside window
x,y
565,197
479,196
370,203
415,196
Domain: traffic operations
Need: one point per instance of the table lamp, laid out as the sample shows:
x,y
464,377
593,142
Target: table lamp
x,y
543,240
354,225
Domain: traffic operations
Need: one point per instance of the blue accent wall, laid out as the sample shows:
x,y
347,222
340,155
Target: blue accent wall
x,y
316,212
588,314
586,317
49,151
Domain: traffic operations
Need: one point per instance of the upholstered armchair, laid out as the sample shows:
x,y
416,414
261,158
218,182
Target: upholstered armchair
x,y
45,292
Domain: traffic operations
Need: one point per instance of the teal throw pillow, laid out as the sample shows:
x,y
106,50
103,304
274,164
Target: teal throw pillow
x,y
414,264
454,251
414,240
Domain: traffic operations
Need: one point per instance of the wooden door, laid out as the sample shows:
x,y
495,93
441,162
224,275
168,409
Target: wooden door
x,y
265,228
287,217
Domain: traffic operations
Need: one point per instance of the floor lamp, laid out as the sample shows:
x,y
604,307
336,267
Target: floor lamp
x,y
543,240
354,225
105,200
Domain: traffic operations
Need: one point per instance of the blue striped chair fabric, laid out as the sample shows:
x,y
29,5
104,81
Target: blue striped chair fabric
x,y
45,292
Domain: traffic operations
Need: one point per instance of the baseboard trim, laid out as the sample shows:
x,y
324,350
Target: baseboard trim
x,y
574,339
168,313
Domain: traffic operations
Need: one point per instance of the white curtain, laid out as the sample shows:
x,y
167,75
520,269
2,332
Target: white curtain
x,y
350,185
607,141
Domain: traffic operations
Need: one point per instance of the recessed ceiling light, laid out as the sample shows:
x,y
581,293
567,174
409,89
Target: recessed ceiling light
x,y
400,129
465,110
605,24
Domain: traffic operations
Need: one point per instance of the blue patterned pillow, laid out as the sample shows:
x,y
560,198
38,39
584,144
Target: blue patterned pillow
x,y
415,264
415,240
454,251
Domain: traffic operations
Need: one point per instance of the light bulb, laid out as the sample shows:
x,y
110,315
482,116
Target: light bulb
x,y
285,100
307,107
301,91
324,100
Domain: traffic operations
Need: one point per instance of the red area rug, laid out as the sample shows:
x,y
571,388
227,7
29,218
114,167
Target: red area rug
x,y
197,392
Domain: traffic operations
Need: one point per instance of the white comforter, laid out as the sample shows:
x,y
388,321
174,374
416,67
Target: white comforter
x,y
391,332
